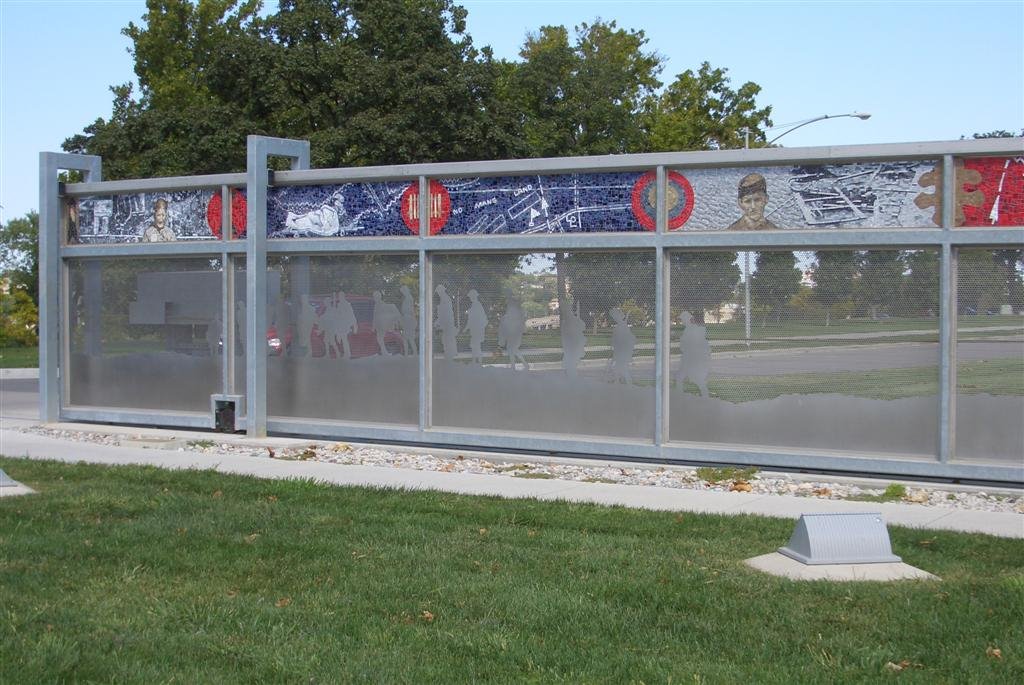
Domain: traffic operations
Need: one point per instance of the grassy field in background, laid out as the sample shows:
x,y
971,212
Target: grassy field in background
x,y
19,357
993,377
137,575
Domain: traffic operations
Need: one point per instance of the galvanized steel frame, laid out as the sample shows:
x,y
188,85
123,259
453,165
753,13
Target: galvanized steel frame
x,y
256,248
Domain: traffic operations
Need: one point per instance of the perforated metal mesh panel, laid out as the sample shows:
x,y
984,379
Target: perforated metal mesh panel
x,y
990,356
545,343
144,333
842,349
345,349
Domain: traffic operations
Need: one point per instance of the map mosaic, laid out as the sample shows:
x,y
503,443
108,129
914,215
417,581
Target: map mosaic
x,y
567,203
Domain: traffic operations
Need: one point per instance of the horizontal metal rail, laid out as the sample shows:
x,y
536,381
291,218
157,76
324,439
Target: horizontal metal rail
x,y
651,160
182,419
146,185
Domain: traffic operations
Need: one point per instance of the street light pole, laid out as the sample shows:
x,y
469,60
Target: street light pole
x,y
746,255
857,115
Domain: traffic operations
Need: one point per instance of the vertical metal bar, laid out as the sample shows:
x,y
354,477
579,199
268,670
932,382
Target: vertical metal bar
x,y
65,339
663,316
51,275
947,317
426,366
227,289
259,149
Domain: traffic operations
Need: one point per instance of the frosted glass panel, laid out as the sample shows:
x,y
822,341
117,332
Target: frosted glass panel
x,y
990,356
842,352
145,333
342,338
545,343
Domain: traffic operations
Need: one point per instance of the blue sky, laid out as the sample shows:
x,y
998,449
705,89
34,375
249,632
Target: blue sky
x,y
925,70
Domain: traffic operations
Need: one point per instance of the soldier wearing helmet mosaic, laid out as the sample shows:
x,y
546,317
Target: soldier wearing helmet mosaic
x,y
752,198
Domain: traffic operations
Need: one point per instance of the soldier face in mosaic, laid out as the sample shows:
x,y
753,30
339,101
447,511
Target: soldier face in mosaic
x,y
753,198
160,214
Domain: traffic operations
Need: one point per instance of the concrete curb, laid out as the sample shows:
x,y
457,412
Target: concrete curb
x,y
19,374
18,444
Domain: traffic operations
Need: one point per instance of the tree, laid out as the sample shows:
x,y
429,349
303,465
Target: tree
x,y
833,274
881,279
382,82
699,111
19,254
982,281
702,281
776,279
921,285
588,98
19,318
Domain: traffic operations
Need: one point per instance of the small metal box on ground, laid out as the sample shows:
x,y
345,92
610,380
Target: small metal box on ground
x,y
840,539
6,481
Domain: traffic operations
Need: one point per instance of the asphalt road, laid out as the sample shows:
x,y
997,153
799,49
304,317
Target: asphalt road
x,y
19,398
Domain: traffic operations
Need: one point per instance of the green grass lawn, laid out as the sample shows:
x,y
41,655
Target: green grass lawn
x,y
993,377
138,575
19,357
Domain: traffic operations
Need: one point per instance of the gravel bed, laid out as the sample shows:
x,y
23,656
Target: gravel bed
x,y
757,483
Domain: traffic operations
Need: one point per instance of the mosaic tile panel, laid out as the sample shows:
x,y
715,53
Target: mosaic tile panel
x,y
341,210
143,217
994,191
870,195
566,203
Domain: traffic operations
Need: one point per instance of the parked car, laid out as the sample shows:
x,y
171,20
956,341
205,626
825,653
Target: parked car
x,y
363,343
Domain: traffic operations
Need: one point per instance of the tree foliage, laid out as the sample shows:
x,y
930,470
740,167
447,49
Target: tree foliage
x,y
387,81
775,280
591,97
833,275
700,111
391,82
19,254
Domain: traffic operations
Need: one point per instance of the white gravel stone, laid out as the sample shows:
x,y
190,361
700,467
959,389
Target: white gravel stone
x,y
684,478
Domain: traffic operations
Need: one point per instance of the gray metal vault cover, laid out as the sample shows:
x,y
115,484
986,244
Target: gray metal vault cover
x,y
840,539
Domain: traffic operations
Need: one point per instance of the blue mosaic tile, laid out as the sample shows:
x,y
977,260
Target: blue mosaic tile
x,y
565,203
339,210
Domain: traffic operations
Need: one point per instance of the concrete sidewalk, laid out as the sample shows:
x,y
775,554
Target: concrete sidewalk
x,y
14,443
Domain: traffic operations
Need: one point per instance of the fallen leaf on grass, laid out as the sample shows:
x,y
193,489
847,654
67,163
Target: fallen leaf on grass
x,y
427,616
217,494
531,533
994,652
232,593
251,538
896,668
740,486
283,602
272,498
483,531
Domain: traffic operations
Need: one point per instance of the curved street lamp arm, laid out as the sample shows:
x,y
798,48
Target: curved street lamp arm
x,y
859,115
